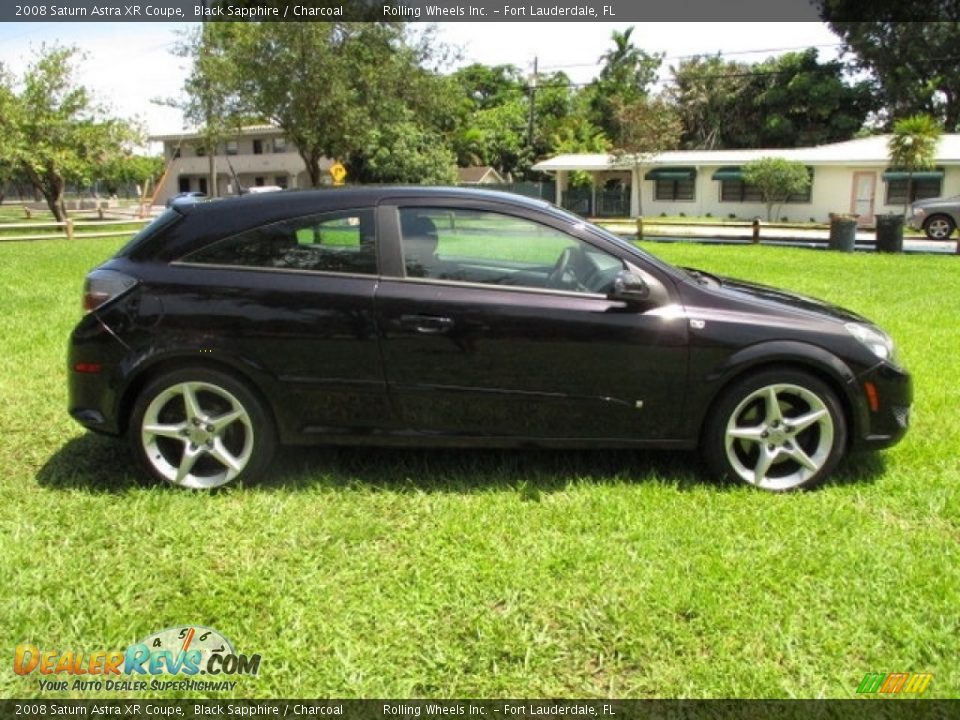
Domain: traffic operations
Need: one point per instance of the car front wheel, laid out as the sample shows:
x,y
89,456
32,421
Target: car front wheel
x,y
201,429
777,430
938,227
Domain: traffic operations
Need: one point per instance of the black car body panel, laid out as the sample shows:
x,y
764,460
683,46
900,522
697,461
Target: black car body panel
x,y
390,358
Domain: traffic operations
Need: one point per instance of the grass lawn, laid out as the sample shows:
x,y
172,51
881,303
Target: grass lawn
x,y
392,573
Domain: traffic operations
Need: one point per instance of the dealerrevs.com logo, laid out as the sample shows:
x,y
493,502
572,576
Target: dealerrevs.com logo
x,y
896,683
183,652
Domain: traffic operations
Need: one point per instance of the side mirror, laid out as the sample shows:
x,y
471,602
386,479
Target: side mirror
x,y
629,287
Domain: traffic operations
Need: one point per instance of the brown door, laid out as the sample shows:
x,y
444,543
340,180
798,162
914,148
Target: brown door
x,y
863,196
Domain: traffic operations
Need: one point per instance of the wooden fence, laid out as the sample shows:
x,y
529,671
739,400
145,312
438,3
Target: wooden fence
x,y
69,229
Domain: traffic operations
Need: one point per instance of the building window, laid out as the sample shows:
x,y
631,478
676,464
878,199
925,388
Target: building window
x,y
738,191
233,147
925,187
280,181
674,190
258,181
279,145
258,147
734,189
201,151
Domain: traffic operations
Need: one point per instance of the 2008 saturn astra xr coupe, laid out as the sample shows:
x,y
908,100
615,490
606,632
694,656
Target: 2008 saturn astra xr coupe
x,y
439,316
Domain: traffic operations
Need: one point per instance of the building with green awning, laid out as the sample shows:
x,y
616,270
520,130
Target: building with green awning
x,y
847,177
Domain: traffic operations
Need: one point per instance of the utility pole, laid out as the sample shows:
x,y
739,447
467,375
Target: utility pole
x,y
212,146
533,100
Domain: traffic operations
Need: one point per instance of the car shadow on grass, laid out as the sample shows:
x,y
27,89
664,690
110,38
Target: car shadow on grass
x,y
529,470
100,464
94,463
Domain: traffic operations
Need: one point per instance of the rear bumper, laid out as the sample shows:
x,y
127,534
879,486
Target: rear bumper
x,y
887,423
92,396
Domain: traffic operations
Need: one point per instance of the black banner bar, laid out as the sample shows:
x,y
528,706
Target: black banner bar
x,y
456,10
882,708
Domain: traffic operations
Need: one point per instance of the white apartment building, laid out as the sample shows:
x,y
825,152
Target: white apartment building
x,y
256,155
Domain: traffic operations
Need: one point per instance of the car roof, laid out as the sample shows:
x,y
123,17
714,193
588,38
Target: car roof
x,y
292,202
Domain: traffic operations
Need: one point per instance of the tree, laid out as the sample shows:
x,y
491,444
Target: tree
x,y
403,152
789,101
576,134
913,65
777,179
129,169
210,101
913,146
646,128
707,93
626,77
51,131
331,87
498,128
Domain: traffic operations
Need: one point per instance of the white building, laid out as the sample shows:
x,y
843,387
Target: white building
x,y
256,155
847,177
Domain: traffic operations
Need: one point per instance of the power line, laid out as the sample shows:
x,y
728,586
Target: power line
x,y
718,53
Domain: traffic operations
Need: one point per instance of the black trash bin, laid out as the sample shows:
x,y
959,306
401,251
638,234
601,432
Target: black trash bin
x,y
843,232
890,233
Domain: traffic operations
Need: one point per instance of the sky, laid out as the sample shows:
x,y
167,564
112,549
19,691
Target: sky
x,y
129,65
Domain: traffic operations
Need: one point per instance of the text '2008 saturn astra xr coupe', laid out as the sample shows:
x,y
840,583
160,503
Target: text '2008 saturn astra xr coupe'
x,y
450,317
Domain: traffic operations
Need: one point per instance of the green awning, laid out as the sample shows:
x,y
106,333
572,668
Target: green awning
x,y
731,172
671,173
889,175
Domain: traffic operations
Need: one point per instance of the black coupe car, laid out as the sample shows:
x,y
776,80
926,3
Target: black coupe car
x,y
441,316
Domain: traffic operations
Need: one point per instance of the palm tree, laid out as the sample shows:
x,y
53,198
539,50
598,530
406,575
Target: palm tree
x,y
913,147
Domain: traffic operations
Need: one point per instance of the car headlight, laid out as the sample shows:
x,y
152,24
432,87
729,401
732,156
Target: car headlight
x,y
877,341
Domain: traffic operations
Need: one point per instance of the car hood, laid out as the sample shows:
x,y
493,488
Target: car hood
x,y
783,301
936,202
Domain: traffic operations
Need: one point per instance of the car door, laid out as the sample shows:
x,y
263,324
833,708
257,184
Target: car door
x,y
485,333
295,299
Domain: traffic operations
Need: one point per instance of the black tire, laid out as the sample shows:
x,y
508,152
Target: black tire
x,y
227,437
795,442
939,227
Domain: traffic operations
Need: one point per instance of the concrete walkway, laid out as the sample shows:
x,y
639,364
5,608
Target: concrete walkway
x,y
743,234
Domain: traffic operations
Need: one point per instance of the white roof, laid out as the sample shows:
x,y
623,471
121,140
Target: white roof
x,y
861,151
196,134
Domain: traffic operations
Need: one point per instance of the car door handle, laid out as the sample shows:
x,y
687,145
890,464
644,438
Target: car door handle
x,y
426,324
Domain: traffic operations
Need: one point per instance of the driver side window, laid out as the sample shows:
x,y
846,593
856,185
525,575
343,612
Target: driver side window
x,y
495,249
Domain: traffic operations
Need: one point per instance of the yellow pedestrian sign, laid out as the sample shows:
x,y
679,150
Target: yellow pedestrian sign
x,y
338,172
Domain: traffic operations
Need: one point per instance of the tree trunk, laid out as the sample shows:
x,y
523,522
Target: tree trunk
x,y
638,167
906,202
312,161
212,162
52,188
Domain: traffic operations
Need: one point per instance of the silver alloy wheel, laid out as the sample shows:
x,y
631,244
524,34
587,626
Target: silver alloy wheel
x,y
939,228
197,435
779,436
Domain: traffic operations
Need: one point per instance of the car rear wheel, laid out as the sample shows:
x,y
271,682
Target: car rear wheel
x,y
201,429
938,227
777,430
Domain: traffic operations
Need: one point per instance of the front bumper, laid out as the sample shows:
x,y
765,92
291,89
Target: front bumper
x,y
885,421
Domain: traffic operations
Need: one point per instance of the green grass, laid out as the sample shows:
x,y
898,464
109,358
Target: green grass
x,y
411,573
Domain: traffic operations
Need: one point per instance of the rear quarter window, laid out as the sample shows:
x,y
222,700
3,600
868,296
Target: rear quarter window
x,y
343,242
162,222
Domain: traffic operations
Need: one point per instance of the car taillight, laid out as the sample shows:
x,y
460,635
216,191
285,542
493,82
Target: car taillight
x,y
101,286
